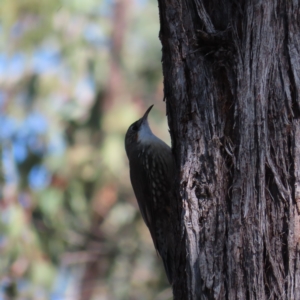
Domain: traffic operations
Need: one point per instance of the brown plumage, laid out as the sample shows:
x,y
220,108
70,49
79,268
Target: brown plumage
x,y
151,173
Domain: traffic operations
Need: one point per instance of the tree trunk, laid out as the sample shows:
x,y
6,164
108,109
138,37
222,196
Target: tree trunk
x,y
232,82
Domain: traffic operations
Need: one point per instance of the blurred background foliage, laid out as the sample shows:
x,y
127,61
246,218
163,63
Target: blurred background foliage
x,y
73,76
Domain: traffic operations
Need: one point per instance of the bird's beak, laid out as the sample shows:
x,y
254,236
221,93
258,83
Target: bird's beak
x,y
145,116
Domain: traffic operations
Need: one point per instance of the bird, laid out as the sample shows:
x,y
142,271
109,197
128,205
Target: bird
x,y
152,169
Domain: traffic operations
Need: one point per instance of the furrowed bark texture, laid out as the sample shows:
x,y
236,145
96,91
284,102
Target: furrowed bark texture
x,y
232,88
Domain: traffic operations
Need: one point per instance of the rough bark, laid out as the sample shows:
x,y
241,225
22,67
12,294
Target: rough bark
x,y
232,82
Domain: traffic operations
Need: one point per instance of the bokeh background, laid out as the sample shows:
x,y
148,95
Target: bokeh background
x,y
74,75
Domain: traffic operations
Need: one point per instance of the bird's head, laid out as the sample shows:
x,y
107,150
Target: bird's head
x,y
139,132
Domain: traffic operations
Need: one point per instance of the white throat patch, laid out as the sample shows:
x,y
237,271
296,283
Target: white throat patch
x,y
145,134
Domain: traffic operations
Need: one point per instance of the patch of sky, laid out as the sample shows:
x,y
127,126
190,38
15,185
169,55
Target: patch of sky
x,y
8,128
19,151
106,9
22,133
62,283
46,59
12,66
94,35
36,123
16,66
57,144
39,177
9,167
25,135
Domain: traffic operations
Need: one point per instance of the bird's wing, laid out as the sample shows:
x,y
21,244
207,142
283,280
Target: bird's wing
x,y
149,174
142,186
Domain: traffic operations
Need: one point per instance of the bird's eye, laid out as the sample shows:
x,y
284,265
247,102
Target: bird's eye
x,y
134,127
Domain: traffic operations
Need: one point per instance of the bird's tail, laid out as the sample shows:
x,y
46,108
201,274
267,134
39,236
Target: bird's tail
x,y
167,260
